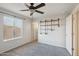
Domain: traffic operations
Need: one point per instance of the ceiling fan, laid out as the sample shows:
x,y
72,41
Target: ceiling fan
x,y
33,8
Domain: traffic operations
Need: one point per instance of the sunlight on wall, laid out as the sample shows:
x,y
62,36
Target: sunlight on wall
x,y
35,24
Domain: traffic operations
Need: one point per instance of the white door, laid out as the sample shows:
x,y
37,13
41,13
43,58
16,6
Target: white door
x,y
69,34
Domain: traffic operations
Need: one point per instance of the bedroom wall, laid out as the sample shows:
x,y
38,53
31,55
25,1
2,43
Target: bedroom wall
x,y
56,37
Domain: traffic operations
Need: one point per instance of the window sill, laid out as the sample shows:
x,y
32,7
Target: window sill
x,y
12,39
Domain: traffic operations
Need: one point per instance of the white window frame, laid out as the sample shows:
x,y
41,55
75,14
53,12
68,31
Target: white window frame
x,y
19,37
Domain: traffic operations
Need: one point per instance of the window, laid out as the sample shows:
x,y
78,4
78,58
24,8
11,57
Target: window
x,y
13,28
8,27
18,28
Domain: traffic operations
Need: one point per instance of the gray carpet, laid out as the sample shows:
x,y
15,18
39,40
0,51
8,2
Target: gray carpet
x,y
37,49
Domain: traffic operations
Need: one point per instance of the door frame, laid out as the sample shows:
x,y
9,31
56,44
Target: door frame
x,y
75,40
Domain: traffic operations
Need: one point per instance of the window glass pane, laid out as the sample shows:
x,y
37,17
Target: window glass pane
x,y
8,27
18,27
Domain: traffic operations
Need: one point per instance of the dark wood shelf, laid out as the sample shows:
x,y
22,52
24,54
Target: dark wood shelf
x,y
48,21
47,29
44,33
50,25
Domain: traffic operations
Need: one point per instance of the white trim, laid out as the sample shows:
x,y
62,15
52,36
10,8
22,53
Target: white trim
x,y
13,38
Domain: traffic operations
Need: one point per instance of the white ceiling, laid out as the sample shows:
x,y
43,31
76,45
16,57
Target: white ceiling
x,y
51,9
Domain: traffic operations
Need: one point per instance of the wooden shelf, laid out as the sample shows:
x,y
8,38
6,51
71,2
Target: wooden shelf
x,y
48,21
44,33
50,25
47,29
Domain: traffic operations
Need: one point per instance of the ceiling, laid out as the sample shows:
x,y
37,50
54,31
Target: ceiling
x,y
51,9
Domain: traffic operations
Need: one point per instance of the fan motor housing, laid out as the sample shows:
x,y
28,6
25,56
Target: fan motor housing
x,y
31,7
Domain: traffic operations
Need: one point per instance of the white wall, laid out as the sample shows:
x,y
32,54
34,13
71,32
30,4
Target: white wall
x,y
56,37
69,34
5,46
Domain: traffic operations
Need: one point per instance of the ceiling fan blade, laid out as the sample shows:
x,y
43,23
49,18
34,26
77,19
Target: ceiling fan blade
x,y
25,10
26,5
39,11
40,5
31,14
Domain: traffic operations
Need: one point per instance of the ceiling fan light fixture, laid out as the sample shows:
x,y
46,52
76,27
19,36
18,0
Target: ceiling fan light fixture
x,y
32,10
